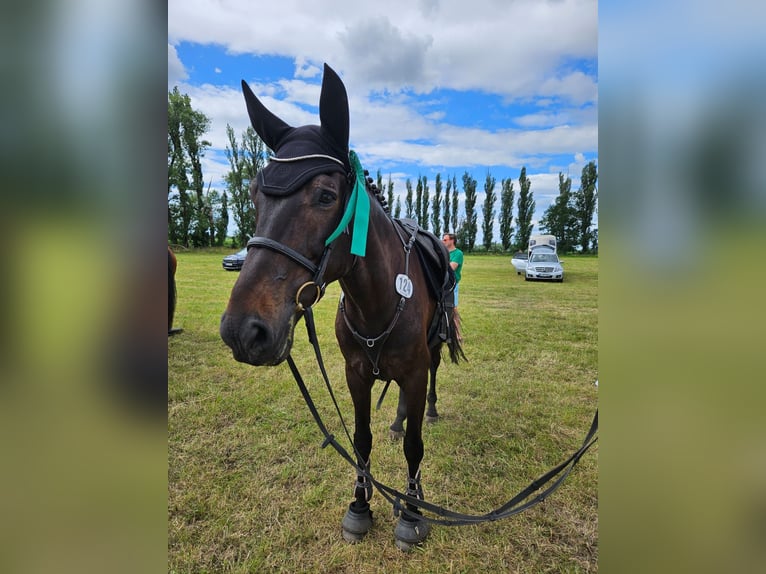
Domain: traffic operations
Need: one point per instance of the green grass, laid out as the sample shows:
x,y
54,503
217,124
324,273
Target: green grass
x,y
251,491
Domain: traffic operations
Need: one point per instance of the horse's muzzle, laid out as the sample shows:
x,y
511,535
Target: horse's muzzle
x,y
252,341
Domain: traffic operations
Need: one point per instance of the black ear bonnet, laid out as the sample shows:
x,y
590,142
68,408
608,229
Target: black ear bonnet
x,y
303,152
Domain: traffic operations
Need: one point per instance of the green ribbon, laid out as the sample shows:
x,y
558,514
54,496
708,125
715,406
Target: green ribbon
x,y
358,208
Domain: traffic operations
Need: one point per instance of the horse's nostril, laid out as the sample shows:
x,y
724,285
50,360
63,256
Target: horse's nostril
x,y
245,335
254,333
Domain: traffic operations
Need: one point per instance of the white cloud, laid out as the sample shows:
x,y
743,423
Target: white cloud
x,y
176,71
304,69
521,51
509,48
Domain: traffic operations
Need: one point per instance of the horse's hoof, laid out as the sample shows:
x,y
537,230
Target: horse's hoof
x,y
410,532
356,523
395,434
432,418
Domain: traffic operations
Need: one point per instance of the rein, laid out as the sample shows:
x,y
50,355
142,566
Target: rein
x,y
515,505
358,209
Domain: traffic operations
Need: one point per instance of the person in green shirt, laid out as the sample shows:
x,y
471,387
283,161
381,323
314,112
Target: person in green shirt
x,y
456,262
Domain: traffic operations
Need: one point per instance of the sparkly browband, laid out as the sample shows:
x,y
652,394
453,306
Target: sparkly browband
x,y
309,156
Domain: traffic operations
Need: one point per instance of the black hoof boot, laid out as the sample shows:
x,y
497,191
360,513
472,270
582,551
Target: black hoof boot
x,y
410,532
357,522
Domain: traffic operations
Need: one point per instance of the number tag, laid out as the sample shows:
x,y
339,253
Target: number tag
x,y
403,285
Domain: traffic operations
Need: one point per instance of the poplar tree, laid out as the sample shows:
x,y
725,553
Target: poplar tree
x,y
447,203
436,223
419,200
469,188
409,208
424,213
506,213
382,190
585,200
454,203
526,209
390,194
488,211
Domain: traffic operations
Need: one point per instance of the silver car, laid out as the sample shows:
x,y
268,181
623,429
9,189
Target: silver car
x,y
544,266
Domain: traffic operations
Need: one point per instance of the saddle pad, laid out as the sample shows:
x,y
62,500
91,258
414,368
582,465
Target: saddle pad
x,y
434,259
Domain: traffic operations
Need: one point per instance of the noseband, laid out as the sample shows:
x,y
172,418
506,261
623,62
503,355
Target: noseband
x,y
317,271
284,250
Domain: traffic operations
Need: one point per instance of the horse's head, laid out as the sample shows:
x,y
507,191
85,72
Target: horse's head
x,y
299,200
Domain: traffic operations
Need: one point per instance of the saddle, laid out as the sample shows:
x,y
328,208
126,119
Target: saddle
x,y
440,278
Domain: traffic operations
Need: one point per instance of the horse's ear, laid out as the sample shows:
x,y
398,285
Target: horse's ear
x,y
269,127
333,106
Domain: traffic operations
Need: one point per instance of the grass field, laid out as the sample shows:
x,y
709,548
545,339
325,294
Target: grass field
x,y
250,490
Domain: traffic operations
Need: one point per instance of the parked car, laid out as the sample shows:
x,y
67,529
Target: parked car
x,y
234,262
544,266
519,262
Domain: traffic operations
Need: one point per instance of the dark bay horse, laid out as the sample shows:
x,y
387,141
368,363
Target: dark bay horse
x,y
319,220
172,265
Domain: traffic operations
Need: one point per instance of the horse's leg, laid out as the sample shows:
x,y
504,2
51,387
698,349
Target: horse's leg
x,y
431,413
358,519
172,265
409,530
396,430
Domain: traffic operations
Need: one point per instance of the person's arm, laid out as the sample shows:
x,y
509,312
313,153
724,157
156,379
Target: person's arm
x,y
454,265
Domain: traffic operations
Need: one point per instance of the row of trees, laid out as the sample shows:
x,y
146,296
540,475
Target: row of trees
x,y
198,217
569,218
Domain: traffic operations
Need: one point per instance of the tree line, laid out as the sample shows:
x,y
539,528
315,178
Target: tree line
x,y
199,217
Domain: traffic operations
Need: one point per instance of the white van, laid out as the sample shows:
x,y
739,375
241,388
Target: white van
x,y
542,244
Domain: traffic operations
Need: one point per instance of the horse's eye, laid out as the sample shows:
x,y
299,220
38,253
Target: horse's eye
x,y
327,197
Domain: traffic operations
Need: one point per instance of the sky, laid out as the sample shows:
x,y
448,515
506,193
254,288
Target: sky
x,y
434,86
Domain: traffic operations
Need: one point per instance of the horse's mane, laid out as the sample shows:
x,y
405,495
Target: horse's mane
x,y
376,192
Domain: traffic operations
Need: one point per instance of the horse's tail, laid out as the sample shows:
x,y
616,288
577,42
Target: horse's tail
x,y
172,263
455,341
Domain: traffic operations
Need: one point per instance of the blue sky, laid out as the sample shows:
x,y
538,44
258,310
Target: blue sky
x,y
435,86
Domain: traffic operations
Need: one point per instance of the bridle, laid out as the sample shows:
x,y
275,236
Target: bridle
x,y
356,207
317,271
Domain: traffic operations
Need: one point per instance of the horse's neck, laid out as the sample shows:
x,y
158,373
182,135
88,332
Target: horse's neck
x,y
370,286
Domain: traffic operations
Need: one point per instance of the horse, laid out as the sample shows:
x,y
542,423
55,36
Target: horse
x,y
172,295
172,264
319,219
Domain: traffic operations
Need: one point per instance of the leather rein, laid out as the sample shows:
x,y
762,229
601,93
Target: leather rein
x,y
398,500
519,503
